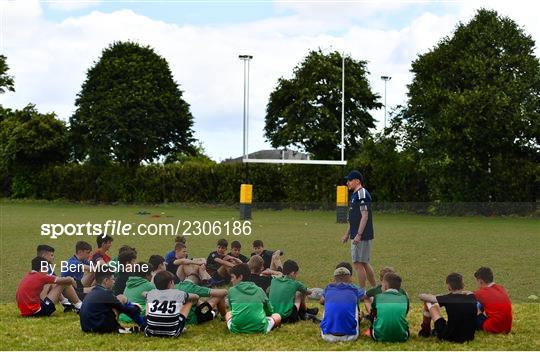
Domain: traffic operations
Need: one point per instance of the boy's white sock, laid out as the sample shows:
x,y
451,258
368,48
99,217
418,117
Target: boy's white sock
x,y
64,301
78,305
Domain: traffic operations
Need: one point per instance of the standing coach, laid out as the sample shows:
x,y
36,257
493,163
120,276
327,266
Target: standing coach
x,y
360,228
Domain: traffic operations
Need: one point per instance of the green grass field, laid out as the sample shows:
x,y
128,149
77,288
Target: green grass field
x,y
423,249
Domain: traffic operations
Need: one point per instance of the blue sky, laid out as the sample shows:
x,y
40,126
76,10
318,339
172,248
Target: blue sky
x,y
51,44
216,12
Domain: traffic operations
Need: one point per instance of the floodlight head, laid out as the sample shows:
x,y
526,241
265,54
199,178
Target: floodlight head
x,y
245,57
386,78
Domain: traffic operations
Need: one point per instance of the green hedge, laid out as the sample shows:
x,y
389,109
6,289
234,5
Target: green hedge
x,y
188,182
395,181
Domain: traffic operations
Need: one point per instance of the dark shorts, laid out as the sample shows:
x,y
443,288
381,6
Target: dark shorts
x,y
440,328
480,320
204,312
109,325
47,308
79,289
293,317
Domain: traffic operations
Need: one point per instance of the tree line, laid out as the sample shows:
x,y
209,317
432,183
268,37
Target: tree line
x,y
468,132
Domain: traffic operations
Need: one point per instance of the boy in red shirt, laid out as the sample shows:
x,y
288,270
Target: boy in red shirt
x,y
101,255
495,311
28,294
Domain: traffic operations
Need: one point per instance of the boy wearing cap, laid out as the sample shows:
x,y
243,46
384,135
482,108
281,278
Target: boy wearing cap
x,y
341,298
360,230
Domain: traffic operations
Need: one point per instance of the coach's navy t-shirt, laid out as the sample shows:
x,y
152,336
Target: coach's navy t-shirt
x,y
360,200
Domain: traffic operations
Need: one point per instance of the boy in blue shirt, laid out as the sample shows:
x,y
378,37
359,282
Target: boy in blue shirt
x,y
341,298
83,278
101,307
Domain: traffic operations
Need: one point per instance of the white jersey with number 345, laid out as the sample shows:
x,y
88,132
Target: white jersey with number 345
x,y
163,312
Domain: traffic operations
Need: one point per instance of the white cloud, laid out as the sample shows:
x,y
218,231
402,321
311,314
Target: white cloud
x,y
49,59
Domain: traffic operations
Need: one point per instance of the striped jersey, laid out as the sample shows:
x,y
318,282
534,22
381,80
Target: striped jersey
x,y
163,312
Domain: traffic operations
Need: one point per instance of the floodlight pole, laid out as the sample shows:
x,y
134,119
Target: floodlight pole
x,y
385,79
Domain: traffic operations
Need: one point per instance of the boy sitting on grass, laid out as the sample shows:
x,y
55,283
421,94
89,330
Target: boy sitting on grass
x,y
235,252
137,286
46,252
251,311
167,307
83,278
187,266
100,308
390,310
272,259
127,260
256,266
114,261
495,307
461,310
203,311
171,256
219,263
158,264
374,291
31,286
340,299
288,296
101,255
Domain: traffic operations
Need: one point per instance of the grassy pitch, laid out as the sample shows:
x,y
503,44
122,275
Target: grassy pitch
x,y
423,249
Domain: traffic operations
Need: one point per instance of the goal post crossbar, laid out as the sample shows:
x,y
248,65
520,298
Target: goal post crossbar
x,y
295,161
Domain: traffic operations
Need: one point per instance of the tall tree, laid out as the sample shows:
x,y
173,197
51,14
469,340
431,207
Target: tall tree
x,y
30,140
130,109
6,84
473,112
305,111
6,81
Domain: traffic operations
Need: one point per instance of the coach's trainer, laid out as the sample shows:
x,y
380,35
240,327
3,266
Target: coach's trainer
x,y
360,228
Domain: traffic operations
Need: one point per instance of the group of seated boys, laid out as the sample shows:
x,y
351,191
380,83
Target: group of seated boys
x,y
161,296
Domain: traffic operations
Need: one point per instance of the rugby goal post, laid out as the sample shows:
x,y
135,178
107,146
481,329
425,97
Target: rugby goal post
x,y
246,189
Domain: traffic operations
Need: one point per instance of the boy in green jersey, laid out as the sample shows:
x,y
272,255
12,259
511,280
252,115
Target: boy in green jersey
x,y
137,286
375,290
204,310
251,311
288,295
389,310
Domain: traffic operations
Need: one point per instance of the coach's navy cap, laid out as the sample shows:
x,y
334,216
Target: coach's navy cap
x,y
354,174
